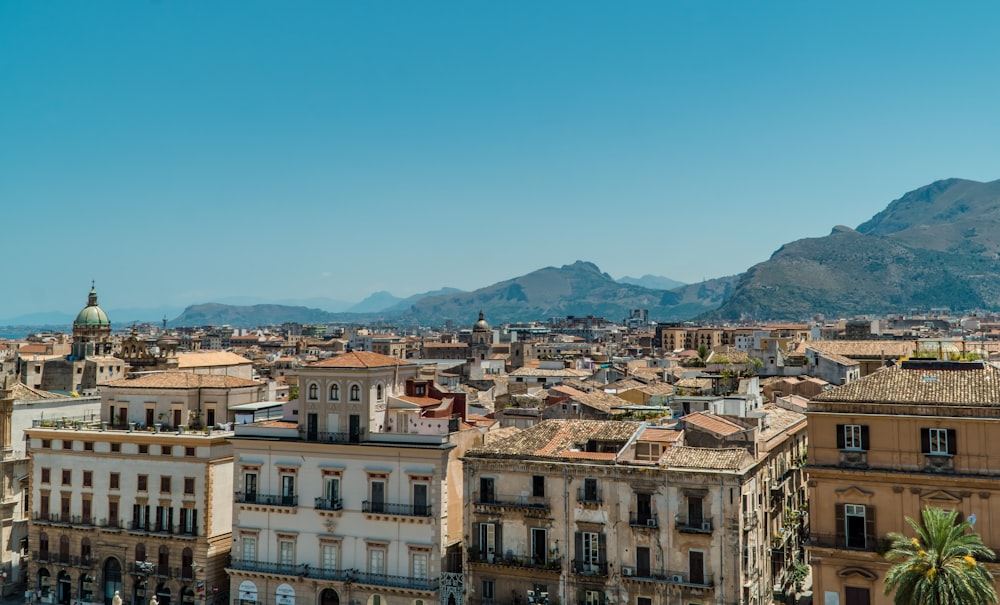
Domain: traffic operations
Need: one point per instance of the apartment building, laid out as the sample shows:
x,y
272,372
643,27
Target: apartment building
x,y
140,513
883,448
588,512
359,500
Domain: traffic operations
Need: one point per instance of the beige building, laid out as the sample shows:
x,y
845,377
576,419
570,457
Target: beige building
x,y
175,399
885,447
607,512
138,513
359,499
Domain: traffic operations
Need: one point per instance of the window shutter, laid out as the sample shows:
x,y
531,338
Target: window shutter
x,y
870,538
183,520
477,536
499,538
864,437
602,548
952,444
925,441
841,444
841,536
578,555
194,521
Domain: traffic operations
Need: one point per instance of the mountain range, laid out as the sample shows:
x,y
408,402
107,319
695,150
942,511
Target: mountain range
x,y
937,246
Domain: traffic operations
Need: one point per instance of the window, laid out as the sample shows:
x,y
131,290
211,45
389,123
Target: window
x,y
189,452
142,483
140,516
938,442
85,509
116,448
377,496
329,556
538,486
856,596
88,446
334,392
288,490
489,539
331,491
114,480
855,525
590,493
67,477
88,478
313,392
143,448
649,452
67,445
46,444
539,546
590,549
286,552
43,506
421,504
164,484
249,548
418,565
486,492
113,520
376,560
46,475
489,589
355,393
592,597
189,521
166,450
852,437
250,487
188,485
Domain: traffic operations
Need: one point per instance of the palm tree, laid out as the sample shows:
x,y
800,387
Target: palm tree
x,y
941,565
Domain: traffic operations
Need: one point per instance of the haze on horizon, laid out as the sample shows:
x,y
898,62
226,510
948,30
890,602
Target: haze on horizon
x,y
181,152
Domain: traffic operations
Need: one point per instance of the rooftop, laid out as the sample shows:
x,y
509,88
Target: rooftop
x,y
181,380
917,382
361,360
559,439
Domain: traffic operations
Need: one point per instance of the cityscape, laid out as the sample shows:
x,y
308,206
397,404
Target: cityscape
x,y
466,303
582,460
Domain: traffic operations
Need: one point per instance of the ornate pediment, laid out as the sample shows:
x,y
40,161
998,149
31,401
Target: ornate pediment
x,y
854,492
846,572
940,498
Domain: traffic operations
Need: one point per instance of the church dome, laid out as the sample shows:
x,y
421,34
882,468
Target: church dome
x,y
481,325
92,315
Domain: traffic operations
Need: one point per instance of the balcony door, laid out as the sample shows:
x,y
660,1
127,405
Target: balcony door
x,y
696,565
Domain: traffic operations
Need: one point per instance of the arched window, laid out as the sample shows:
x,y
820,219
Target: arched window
x,y
64,548
163,560
378,393
334,392
355,393
140,552
313,392
85,549
187,564
43,547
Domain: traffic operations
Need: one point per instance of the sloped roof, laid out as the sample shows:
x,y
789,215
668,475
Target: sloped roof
x,y
200,359
182,380
729,459
714,424
361,360
555,438
917,382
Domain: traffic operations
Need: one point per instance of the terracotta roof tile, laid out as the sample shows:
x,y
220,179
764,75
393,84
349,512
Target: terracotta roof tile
x,y
555,438
181,380
197,359
730,459
917,382
360,359
712,423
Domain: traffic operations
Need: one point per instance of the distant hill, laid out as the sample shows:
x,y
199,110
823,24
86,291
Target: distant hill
x,y
579,289
384,302
653,282
936,246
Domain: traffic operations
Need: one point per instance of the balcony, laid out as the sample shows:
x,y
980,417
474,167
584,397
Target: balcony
x,y
267,499
391,508
65,519
840,541
152,528
553,564
381,579
357,437
281,569
496,502
939,463
853,459
682,578
586,568
693,525
329,504
645,520
333,575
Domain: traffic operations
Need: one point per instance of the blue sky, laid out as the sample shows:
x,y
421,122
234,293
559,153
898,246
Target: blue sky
x,y
183,152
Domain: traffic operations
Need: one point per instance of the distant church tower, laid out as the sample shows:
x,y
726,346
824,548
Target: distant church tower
x,y
482,339
91,330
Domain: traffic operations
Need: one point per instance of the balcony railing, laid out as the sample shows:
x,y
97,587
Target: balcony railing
x,y
587,568
866,543
329,503
696,525
511,501
645,520
60,518
379,579
153,528
512,560
665,576
284,569
336,437
266,499
333,575
391,508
